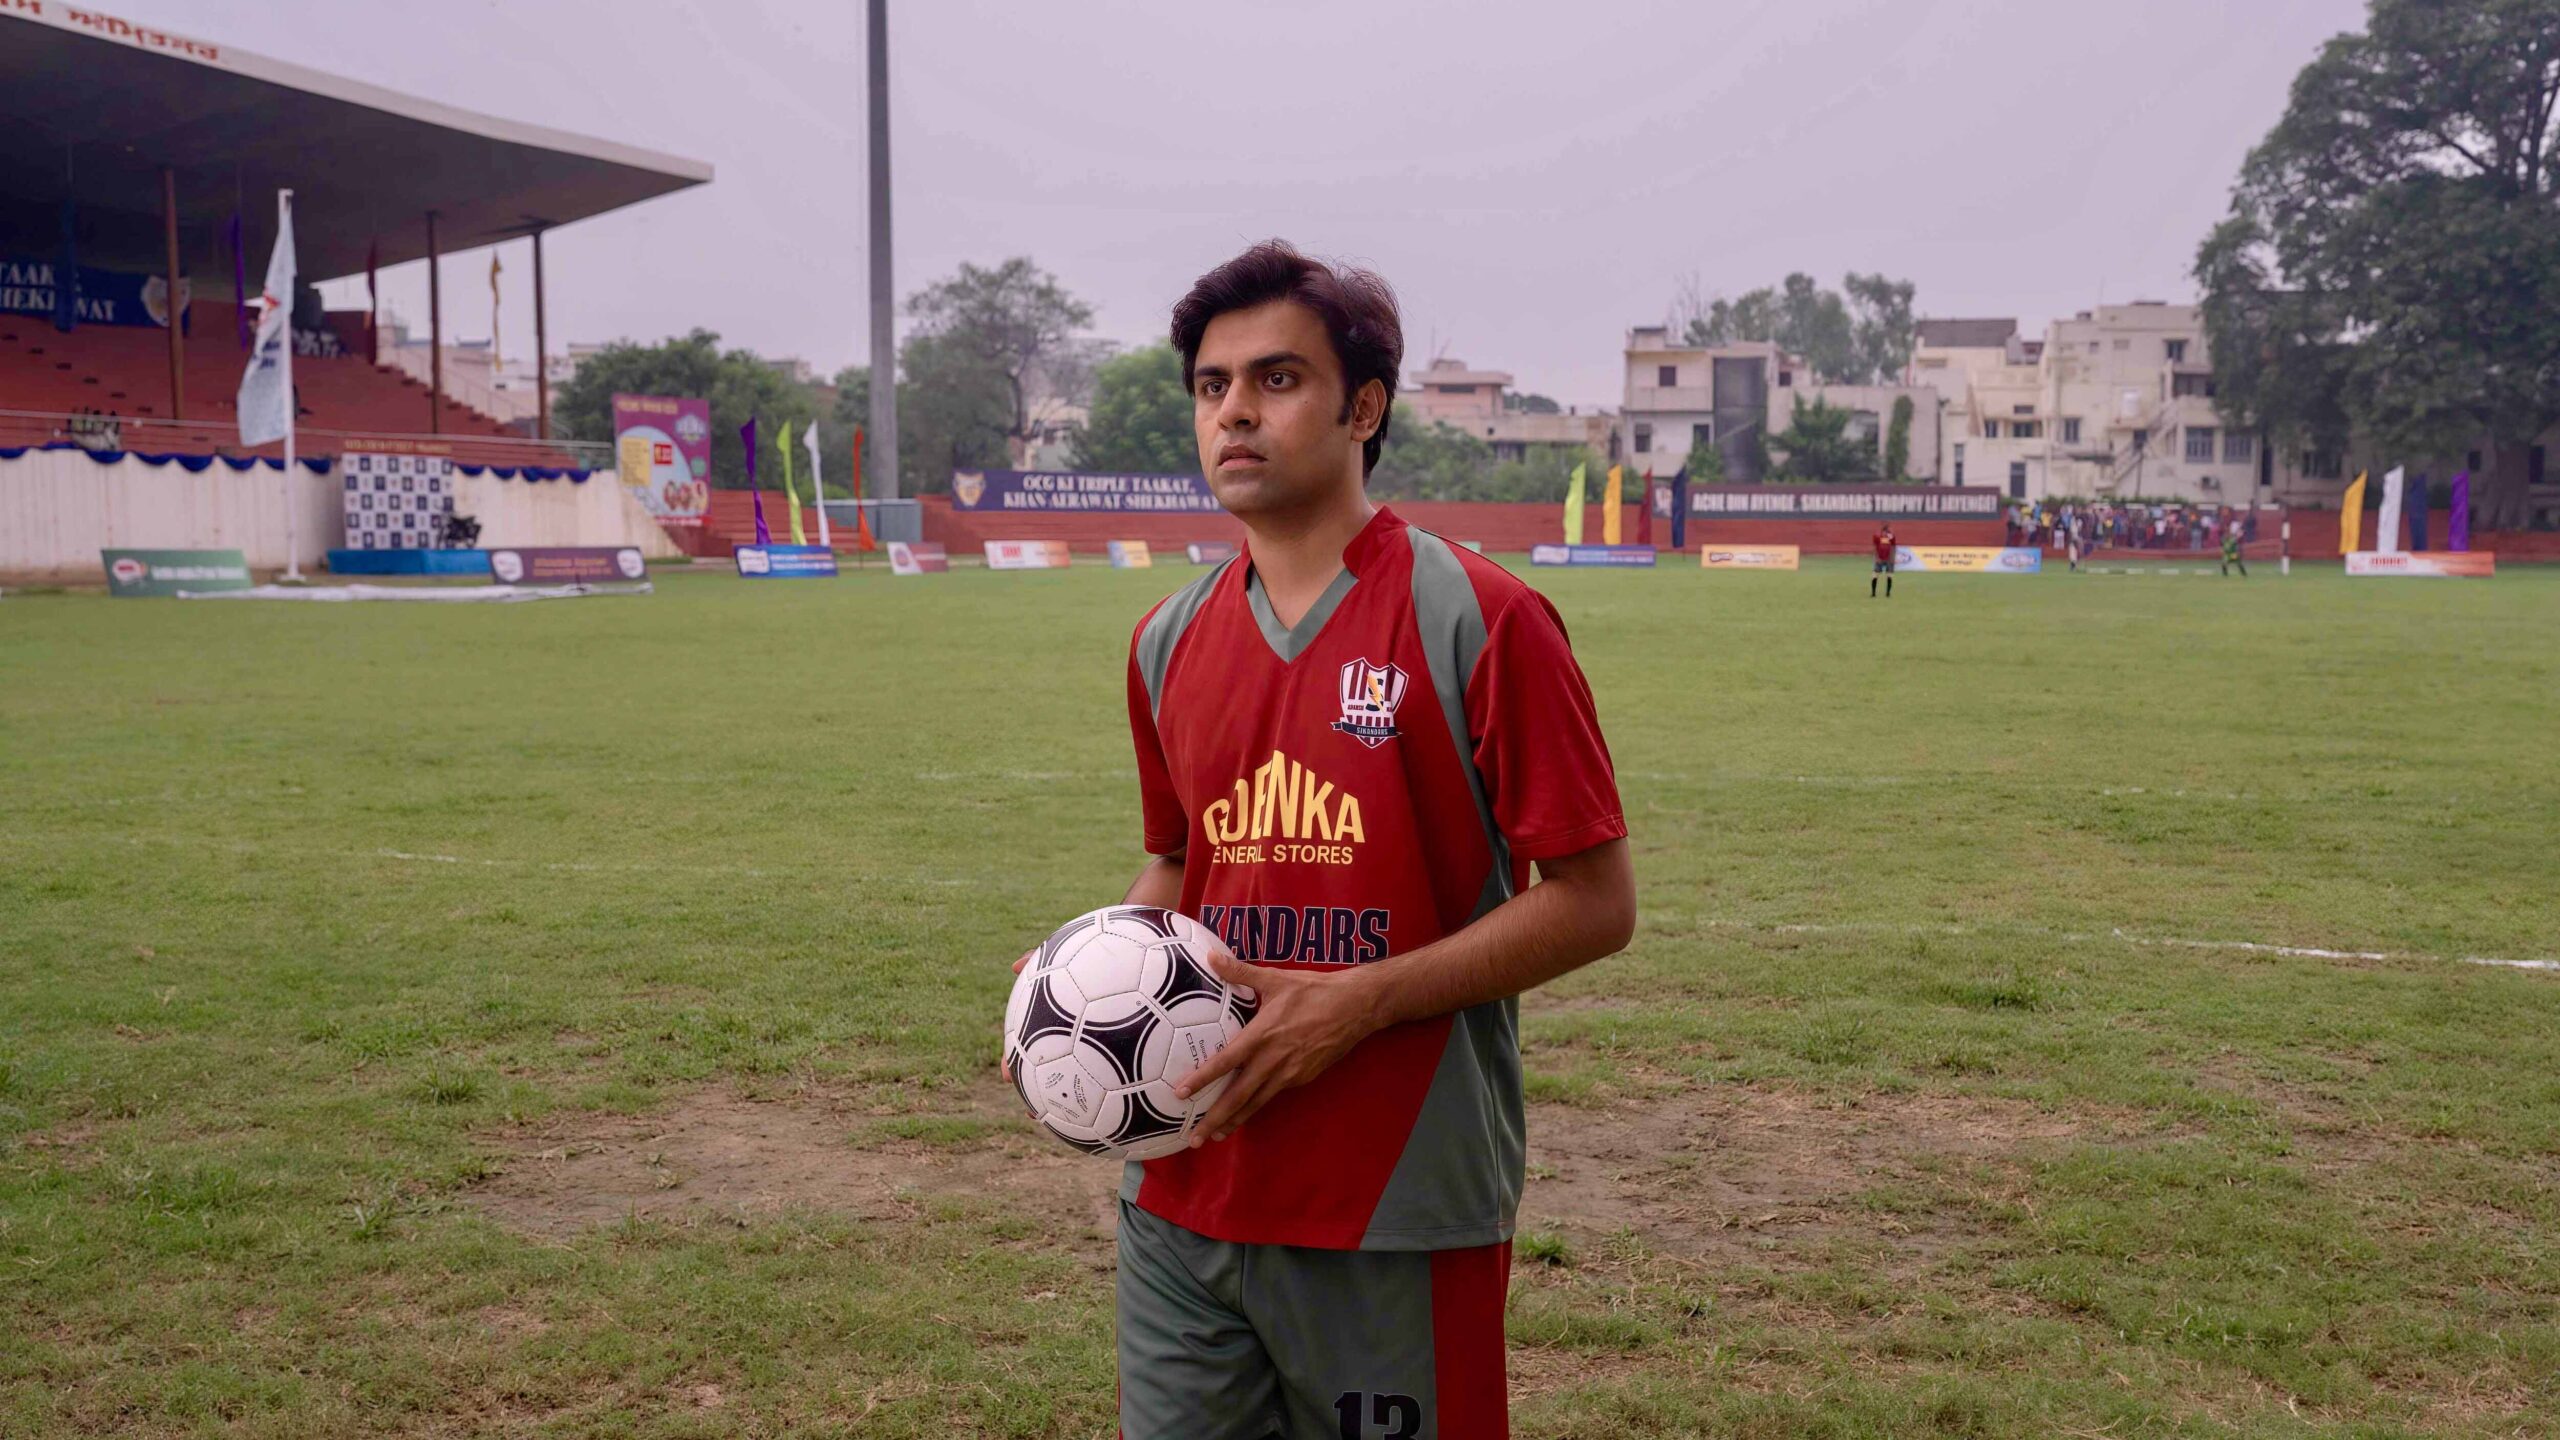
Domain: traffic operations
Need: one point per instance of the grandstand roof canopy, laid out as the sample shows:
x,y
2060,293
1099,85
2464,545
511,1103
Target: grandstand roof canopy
x,y
95,106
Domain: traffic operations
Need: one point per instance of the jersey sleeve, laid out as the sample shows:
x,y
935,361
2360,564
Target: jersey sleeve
x,y
1537,738
1166,830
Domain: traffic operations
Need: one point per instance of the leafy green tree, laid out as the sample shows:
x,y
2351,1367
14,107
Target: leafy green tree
x,y
1426,460
954,412
1818,448
1014,322
1141,419
736,382
2390,271
1531,404
1728,322
1897,442
1814,322
1882,329
1705,464
1863,339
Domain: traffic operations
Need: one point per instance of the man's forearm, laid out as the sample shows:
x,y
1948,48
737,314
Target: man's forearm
x,y
1158,884
1577,913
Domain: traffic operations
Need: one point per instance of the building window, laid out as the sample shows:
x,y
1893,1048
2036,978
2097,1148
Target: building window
x,y
1666,376
2141,439
2239,447
2534,467
1959,462
1701,434
2026,429
2124,345
1786,378
2191,385
2177,352
2071,430
2318,465
1990,429
2017,479
2022,409
1644,439
2200,444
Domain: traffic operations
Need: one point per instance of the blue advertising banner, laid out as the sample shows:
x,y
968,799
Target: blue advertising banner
x,y
105,297
1067,492
785,562
1611,555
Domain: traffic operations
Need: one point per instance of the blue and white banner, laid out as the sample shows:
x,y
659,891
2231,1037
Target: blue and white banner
x,y
1620,556
1067,492
101,297
785,562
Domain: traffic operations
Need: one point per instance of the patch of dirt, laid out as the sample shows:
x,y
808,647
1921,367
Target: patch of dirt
x,y
719,1154
1741,1176
1759,1176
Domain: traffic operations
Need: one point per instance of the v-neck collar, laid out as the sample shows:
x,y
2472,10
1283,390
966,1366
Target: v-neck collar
x,y
1289,642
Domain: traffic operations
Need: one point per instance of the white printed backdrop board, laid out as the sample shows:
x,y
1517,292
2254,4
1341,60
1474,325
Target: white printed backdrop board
x,y
396,502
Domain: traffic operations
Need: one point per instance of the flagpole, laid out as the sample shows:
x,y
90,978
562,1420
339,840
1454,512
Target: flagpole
x,y
292,502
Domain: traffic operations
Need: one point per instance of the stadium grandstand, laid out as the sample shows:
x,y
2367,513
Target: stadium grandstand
x,y
136,152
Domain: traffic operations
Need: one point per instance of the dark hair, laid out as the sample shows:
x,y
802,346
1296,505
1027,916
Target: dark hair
x,y
1358,310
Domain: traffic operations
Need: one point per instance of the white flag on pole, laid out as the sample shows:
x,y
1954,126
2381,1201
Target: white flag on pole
x,y
266,389
2386,529
817,482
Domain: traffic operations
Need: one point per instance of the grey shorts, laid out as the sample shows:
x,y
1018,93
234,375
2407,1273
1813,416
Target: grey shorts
x,y
1221,1341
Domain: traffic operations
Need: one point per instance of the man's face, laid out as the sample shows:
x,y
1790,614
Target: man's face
x,y
1266,407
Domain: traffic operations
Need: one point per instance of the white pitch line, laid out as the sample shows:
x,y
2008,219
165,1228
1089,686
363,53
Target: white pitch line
x,y
2298,952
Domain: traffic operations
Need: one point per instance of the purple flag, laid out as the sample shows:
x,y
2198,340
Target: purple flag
x,y
747,432
240,326
2457,524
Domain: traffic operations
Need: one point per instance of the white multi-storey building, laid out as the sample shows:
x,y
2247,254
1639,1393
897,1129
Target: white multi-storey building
x,y
1678,396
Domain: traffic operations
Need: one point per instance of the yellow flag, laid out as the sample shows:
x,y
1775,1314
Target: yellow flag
x,y
1609,513
2351,517
790,490
1573,509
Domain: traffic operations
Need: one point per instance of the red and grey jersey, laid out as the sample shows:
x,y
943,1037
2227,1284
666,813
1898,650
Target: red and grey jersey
x,y
1355,787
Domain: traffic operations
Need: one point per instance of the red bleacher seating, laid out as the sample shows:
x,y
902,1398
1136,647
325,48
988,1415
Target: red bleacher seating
x,y
124,371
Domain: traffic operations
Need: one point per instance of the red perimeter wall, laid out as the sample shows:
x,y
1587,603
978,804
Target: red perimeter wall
x,y
1503,529
1512,529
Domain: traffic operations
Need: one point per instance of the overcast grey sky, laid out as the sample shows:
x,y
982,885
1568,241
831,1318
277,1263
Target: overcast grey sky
x,y
1533,178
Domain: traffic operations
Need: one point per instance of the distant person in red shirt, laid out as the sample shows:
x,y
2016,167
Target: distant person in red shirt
x,y
1885,551
1353,742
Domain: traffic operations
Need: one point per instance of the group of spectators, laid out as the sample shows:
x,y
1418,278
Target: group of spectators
x,y
2083,528
93,429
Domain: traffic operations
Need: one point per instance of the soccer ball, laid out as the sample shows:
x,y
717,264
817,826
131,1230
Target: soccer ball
x,y
1113,1010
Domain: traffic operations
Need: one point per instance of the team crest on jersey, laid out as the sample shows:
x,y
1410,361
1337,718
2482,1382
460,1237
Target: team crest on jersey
x,y
1370,695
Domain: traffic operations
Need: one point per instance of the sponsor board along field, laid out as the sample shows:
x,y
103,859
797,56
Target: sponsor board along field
x,y
2058,1009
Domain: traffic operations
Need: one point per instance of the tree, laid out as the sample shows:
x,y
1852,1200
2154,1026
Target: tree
x,y
1014,322
1705,464
1864,339
736,382
954,412
1897,442
1426,460
1814,323
1881,326
1819,448
1531,404
2390,271
1141,418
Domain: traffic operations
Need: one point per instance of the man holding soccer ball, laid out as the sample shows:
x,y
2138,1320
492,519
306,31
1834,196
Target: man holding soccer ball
x,y
1353,742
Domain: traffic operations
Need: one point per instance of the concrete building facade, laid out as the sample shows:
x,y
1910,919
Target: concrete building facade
x,y
1679,395
1483,404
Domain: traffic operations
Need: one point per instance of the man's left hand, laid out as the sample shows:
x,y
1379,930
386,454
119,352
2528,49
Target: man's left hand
x,y
1307,1020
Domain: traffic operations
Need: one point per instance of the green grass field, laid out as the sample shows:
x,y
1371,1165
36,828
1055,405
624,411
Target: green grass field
x,y
578,1019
